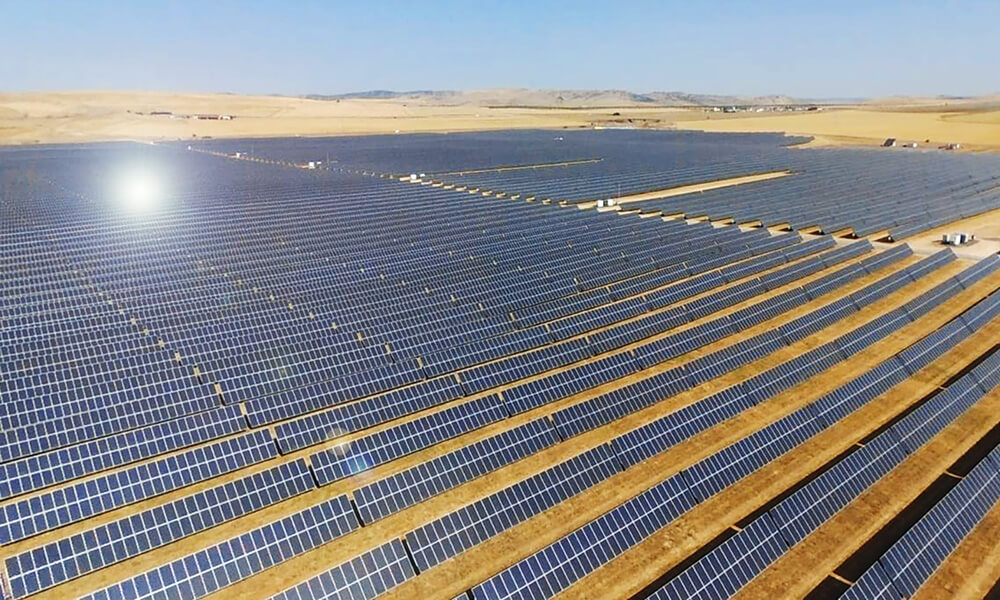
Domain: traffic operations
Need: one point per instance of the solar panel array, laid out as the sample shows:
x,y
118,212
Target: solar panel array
x,y
330,384
571,558
866,190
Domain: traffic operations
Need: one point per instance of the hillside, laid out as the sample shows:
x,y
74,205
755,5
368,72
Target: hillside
x,y
511,97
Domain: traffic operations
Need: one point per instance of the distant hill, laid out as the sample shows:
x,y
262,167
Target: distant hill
x,y
962,103
525,97
562,98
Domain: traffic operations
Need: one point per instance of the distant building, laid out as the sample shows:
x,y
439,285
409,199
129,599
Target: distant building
x,y
889,143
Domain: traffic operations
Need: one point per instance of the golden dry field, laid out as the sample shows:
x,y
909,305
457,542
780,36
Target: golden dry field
x,y
97,116
64,117
978,130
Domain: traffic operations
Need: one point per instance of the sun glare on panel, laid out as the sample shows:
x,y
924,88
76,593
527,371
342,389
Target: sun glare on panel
x,y
139,191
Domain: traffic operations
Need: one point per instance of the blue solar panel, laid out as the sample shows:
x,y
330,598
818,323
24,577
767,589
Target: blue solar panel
x,y
362,578
724,570
460,530
364,453
68,558
36,514
238,558
912,560
381,498
556,567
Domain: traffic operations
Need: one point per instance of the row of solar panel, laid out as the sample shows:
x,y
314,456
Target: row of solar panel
x,y
446,532
313,429
44,470
286,413
540,427
782,200
535,449
283,381
733,564
661,434
372,450
678,269
249,386
465,284
559,565
962,208
39,555
876,215
776,210
903,569
57,562
473,380
408,487
236,559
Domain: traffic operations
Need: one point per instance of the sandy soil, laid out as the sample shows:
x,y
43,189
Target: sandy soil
x,y
992,117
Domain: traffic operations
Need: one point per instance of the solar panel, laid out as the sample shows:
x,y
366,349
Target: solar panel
x,y
36,514
559,565
54,563
216,567
911,561
726,569
359,455
381,498
361,578
36,472
468,526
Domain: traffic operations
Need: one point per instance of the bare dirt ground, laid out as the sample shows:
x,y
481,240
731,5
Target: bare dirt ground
x,y
986,228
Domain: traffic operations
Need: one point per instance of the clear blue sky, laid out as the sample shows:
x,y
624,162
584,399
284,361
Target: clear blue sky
x,y
804,48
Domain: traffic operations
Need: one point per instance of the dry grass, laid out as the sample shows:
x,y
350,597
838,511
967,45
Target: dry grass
x,y
866,126
53,117
98,116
